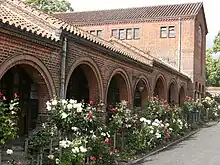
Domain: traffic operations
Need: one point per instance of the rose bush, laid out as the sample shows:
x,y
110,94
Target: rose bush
x,y
211,108
8,123
76,132
82,135
8,118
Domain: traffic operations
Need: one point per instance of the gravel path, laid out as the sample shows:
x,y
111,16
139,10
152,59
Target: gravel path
x,y
201,149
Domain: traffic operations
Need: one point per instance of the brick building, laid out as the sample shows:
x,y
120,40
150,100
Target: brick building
x,y
42,56
155,30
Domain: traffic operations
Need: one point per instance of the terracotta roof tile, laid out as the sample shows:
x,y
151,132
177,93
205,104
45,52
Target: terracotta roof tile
x,y
22,16
130,14
18,14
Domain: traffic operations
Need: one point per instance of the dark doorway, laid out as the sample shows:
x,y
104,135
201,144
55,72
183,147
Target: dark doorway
x,y
113,96
78,87
17,80
140,94
159,89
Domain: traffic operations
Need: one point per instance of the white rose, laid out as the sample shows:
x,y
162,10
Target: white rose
x,y
49,108
57,161
72,101
158,135
48,103
63,115
54,102
9,151
64,102
79,109
103,134
63,144
83,149
74,128
142,119
167,125
148,121
76,149
51,157
155,124
69,106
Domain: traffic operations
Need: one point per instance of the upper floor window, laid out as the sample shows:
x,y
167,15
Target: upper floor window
x,y
99,33
128,34
115,33
92,32
122,34
171,31
200,36
136,33
163,32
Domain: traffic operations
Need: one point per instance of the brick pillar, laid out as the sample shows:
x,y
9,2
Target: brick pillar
x,y
43,97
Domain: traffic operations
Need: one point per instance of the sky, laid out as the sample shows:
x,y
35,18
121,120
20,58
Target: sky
x,y
211,10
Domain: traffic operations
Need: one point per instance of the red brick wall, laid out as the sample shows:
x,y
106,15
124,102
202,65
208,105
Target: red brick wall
x,y
193,58
103,65
150,40
47,57
107,65
200,52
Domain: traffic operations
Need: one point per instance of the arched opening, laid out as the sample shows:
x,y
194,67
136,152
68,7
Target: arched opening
x,y
29,85
159,90
173,94
140,93
83,85
117,90
182,96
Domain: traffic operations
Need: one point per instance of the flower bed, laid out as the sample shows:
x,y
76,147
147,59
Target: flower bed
x,y
78,133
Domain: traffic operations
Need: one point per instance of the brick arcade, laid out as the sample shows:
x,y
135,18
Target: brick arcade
x,y
42,56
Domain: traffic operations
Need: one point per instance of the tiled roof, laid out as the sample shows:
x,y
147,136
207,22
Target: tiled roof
x,y
24,17
131,14
18,14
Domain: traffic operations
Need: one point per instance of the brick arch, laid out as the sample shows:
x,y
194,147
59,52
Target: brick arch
x,y
93,70
172,91
123,79
182,94
160,87
34,63
146,91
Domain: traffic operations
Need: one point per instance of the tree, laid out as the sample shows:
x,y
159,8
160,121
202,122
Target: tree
x,y
216,46
213,64
51,6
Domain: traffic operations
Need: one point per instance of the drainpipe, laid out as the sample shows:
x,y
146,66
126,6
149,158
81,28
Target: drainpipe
x,y
179,45
63,68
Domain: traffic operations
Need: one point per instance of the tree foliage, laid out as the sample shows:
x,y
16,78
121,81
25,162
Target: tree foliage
x,y
51,6
216,46
213,64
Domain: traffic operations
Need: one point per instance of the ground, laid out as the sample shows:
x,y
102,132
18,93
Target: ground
x,y
202,148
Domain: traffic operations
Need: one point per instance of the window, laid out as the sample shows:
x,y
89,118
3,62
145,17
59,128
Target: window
x,y
171,31
136,33
122,34
163,32
99,33
115,33
92,32
200,36
128,34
